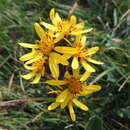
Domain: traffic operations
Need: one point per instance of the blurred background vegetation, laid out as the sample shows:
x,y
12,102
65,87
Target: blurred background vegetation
x,y
24,106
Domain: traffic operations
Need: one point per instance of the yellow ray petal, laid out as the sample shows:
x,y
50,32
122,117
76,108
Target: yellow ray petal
x,y
27,56
94,61
66,50
83,41
75,63
85,76
95,87
73,19
81,32
67,56
78,27
51,34
77,41
87,66
41,33
67,100
36,79
28,76
56,82
52,16
80,105
72,113
57,17
90,89
76,73
59,36
32,60
27,45
48,26
53,106
91,51
60,59
53,67
62,96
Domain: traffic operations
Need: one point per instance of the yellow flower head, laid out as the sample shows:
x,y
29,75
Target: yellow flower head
x,y
37,69
65,27
75,87
80,54
43,49
46,43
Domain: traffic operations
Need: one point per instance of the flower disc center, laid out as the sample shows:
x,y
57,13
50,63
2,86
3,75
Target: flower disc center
x,y
75,86
45,47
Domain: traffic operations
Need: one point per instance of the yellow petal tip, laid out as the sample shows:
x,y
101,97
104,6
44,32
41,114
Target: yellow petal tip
x,y
49,108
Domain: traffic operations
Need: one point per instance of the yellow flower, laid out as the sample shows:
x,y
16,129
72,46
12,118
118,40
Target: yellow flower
x,y
80,53
75,87
37,68
65,27
43,50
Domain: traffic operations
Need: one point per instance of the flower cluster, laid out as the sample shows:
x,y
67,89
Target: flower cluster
x,y
59,53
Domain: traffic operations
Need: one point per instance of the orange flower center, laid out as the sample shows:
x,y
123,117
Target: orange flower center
x,y
45,47
81,53
75,86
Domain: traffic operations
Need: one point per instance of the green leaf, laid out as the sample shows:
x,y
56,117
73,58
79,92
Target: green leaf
x,y
94,123
126,112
